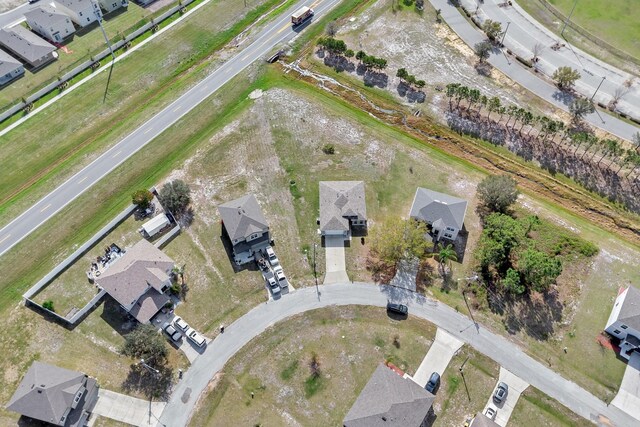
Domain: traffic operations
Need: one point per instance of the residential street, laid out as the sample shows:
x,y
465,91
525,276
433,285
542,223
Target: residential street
x,y
503,351
517,72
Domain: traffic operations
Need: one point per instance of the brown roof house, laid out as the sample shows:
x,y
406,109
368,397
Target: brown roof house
x,y
624,321
481,420
138,280
389,400
342,207
246,227
24,44
55,395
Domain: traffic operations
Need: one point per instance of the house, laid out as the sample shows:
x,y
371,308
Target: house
x,y
154,225
624,321
55,395
390,400
82,12
444,213
138,280
31,49
342,207
50,23
246,227
110,5
10,68
481,420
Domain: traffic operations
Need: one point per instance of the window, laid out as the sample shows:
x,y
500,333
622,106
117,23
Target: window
x,y
624,326
616,332
80,13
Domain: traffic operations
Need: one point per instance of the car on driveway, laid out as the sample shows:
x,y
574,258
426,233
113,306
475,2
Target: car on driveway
x,y
180,324
433,384
196,338
271,255
280,277
170,330
491,413
273,285
501,392
397,308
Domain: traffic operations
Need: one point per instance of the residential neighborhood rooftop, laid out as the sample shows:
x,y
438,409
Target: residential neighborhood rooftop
x,y
7,63
46,13
340,200
431,206
25,44
243,217
629,313
482,420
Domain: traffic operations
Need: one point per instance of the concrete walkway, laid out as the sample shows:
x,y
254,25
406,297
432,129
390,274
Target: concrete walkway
x,y
336,270
497,347
438,357
127,409
516,387
628,397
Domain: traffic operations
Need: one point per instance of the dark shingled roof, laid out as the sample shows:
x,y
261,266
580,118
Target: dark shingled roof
x,y
8,63
630,310
482,421
243,217
25,44
389,400
431,206
338,200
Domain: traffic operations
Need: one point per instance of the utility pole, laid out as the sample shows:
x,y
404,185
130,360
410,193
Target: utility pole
x,y
505,34
315,273
96,11
568,17
594,93
464,295
461,369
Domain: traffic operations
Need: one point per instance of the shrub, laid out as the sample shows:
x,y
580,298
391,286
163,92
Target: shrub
x,y
328,149
142,198
48,304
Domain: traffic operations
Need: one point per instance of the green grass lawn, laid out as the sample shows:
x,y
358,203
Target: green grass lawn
x,y
536,408
349,342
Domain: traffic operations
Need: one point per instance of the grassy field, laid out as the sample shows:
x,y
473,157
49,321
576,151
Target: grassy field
x,y
536,408
349,343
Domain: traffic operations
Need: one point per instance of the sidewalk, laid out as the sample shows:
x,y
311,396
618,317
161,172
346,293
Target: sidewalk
x,y
127,409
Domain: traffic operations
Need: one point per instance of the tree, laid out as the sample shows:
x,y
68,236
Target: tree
x,y
538,269
482,49
48,304
438,15
445,256
537,50
452,90
493,105
402,73
498,192
144,342
565,77
579,108
420,84
512,283
349,53
360,55
331,29
492,29
501,235
142,198
175,196
396,239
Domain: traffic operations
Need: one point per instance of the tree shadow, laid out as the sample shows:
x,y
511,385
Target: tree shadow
x,y
116,316
563,96
376,79
339,63
151,384
483,68
535,314
425,276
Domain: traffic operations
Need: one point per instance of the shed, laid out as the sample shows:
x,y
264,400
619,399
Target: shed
x,y
155,224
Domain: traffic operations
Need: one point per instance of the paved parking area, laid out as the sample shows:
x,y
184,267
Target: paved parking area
x,y
438,356
516,387
628,397
336,270
127,409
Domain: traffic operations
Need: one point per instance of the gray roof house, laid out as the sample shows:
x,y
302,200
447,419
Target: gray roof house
x,y
342,206
82,12
624,321
481,420
246,227
138,280
55,395
110,5
10,68
389,400
50,23
444,213
30,48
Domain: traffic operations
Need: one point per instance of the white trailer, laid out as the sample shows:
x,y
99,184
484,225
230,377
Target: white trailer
x,y
155,224
301,15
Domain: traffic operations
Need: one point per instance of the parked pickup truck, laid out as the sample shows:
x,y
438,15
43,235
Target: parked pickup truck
x,y
301,15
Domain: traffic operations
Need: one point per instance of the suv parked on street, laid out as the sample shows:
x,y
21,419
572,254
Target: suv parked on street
x,y
398,308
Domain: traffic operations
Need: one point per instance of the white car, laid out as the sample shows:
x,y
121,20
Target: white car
x,y
280,277
181,324
271,255
273,285
196,338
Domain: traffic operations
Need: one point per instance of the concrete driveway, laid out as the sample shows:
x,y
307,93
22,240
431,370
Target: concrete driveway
x,y
516,387
438,357
336,270
628,397
127,409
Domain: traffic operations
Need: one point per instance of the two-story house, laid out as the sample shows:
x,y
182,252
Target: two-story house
x,y
82,12
138,280
56,396
444,213
50,23
110,5
624,321
342,208
246,227
10,68
31,49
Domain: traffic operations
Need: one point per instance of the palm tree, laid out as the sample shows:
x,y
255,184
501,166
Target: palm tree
x,y
462,92
483,103
445,256
452,89
493,105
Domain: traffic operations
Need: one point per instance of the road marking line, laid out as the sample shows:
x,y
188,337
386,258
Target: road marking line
x,y
148,130
5,238
283,28
46,207
177,108
228,70
315,4
246,56
116,155
82,180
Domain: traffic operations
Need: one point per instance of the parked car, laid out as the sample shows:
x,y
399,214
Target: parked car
x,y
280,277
501,392
172,332
196,338
491,413
271,255
273,285
433,384
397,308
180,324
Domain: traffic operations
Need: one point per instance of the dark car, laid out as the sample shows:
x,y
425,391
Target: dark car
x,y
397,308
501,392
433,384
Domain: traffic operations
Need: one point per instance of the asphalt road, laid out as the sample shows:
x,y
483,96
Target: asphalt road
x,y
186,393
275,33
16,15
